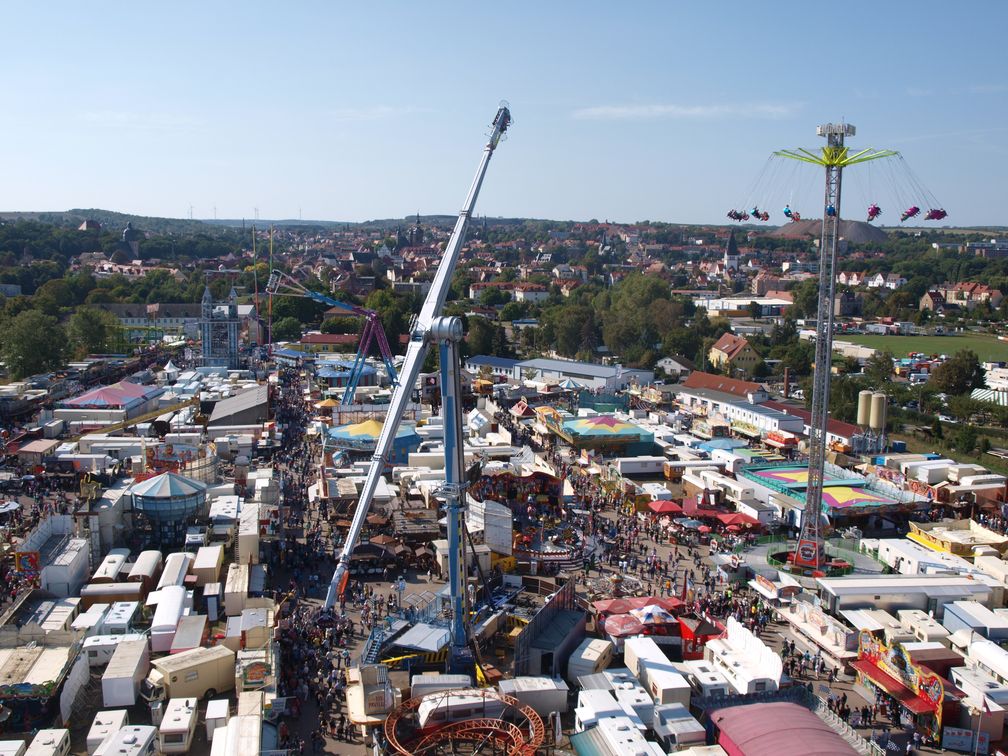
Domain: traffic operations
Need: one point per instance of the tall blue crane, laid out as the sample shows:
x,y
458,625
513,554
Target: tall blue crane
x,y
427,329
280,283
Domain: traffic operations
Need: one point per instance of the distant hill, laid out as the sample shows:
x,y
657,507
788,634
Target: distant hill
x,y
856,232
111,221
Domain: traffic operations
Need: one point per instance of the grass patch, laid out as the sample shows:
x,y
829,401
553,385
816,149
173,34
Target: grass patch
x,y
987,347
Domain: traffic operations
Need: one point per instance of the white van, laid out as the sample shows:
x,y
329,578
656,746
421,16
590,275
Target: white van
x,y
50,743
12,747
175,734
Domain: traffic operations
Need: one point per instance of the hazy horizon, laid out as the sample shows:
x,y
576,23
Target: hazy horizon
x,y
651,111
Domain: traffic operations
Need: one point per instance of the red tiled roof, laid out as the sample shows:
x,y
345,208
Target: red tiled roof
x,y
731,345
733,386
340,339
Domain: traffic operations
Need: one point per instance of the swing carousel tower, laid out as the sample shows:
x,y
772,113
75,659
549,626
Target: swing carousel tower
x,y
809,554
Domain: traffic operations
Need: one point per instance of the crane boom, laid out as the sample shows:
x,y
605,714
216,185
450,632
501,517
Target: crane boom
x,y
280,283
416,351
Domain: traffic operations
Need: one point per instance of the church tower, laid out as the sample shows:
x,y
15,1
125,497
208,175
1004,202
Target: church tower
x,y
731,253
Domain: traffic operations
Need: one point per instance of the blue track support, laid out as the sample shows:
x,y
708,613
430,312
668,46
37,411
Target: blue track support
x,y
450,409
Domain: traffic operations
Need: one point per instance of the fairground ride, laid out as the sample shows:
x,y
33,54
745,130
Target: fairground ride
x,y
282,284
429,328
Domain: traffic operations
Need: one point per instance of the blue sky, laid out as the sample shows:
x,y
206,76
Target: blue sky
x,y
626,111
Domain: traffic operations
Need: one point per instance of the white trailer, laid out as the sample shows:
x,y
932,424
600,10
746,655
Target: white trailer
x,y
104,726
641,649
132,740
12,748
90,622
100,648
171,607
175,734
593,655
127,668
236,589
176,567
53,742
120,618
627,466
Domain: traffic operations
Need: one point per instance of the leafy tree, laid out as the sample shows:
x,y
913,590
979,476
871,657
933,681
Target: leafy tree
x,y
495,295
480,336
340,325
287,329
32,342
755,310
966,439
805,299
878,368
90,329
958,375
936,429
514,311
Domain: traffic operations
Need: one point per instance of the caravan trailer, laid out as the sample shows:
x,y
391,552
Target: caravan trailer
x,y
54,742
177,728
99,648
132,740
107,593
120,618
113,564
146,569
105,725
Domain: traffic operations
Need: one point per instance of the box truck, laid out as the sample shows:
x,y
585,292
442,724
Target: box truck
x,y
126,670
199,673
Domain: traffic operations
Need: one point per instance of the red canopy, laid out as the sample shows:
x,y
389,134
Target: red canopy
x,y
669,603
665,507
737,518
620,625
612,606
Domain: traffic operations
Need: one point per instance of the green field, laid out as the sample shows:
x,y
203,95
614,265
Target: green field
x,y
987,348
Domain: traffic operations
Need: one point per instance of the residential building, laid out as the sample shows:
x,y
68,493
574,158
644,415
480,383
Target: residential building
x,y
847,305
968,295
675,366
731,353
891,281
852,278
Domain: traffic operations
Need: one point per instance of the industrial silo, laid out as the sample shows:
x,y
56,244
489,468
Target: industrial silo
x,y
877,417
864,400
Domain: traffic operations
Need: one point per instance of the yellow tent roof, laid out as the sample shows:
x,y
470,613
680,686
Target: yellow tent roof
x,y
327,404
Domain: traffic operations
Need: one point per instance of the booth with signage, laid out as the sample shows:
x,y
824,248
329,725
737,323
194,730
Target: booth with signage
x,y
917,695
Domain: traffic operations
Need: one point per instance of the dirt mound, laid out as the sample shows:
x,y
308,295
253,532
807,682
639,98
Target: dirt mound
x,y
856,232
